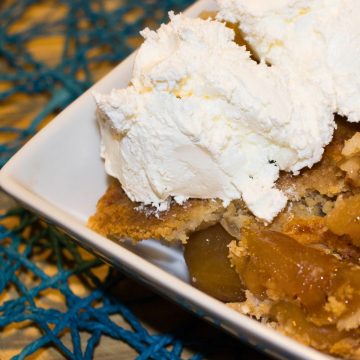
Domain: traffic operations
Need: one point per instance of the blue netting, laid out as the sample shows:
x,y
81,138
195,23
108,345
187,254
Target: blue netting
x,y
87,26
20,249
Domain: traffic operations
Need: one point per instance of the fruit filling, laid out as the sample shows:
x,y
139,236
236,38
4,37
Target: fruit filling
x,y
215,275
274,266
301,273
310,292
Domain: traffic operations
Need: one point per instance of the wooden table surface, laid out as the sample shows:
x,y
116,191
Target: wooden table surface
x,y
156,313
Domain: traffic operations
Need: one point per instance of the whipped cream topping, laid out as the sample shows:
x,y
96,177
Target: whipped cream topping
x,y
201,119
320,38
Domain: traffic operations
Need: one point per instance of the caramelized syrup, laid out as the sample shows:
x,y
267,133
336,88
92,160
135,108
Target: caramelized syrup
x,y
206,255
273,265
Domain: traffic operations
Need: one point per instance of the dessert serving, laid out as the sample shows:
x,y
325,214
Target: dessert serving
x,y
239,155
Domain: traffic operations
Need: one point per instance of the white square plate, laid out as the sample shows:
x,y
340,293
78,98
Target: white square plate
x,y
59,175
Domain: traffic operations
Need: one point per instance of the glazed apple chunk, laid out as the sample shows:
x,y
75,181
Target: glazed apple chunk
x,y
274,266
344,219
310,293
214,274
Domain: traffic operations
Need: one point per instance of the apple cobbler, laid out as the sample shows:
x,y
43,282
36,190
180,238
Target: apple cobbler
x,y
300,274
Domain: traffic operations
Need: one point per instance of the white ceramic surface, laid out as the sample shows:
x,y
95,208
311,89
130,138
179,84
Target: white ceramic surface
x,y
59,175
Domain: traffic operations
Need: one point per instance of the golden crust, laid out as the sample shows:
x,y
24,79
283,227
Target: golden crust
x,y
325,177
118,217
